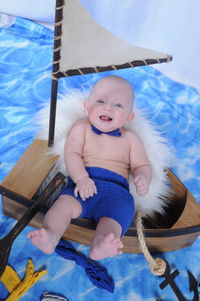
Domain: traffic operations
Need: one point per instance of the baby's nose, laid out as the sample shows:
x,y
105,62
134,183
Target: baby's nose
x,y
108,107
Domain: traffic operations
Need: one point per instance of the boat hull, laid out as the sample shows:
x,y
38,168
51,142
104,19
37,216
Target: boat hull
x,y
178,228
82,231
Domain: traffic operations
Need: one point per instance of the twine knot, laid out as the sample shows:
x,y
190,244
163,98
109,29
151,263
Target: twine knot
x,y
157,266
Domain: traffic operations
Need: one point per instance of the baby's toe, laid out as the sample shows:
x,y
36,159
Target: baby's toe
x,y
110,237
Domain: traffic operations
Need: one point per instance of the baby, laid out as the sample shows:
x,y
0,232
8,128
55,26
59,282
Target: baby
x,y
99,155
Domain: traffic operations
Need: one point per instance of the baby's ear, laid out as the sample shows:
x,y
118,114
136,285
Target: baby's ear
x,y
130,116
85,105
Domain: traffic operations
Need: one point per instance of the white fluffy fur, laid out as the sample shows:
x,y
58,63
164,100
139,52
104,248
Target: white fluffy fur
x,y
160,154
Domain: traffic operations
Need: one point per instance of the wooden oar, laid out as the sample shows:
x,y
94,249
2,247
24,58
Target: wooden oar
x,y
7,241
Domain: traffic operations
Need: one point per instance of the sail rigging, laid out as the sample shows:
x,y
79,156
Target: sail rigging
x,y
87,47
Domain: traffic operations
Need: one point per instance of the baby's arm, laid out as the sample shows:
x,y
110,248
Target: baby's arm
x,y
85,186
142,179
140,166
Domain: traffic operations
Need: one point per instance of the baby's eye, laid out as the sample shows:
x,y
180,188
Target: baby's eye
x,y
100,101
118,105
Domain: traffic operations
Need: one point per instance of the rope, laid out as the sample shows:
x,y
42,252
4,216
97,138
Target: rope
x,y
57,38
54,77
157,265
60,7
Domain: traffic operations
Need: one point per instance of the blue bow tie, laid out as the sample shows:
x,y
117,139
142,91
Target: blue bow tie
x,y
116,133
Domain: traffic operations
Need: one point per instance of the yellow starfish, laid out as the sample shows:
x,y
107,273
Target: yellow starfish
x,y
15,285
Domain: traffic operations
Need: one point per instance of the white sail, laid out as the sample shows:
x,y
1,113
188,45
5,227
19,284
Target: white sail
x,y
84,43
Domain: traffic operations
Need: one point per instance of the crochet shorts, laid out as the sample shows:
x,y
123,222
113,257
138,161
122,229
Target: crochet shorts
x,y
112,200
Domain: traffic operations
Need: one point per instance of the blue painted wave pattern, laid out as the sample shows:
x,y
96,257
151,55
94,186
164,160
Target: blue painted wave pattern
x,y
25,71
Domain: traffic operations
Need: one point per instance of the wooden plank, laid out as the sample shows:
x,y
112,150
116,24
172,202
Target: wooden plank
x,y
84,236
16,210
178,188
191,210
30,171
190,215
157,244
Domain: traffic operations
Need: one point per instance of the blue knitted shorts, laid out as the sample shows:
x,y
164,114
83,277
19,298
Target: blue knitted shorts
x,y
113,198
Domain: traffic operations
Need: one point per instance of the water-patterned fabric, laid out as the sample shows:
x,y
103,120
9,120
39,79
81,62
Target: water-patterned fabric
x,y
25,84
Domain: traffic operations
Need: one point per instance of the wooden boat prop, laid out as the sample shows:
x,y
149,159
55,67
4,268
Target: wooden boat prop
x,y
180,226
177,228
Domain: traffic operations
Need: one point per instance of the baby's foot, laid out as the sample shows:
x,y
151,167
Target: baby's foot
x,y
43,240
107,247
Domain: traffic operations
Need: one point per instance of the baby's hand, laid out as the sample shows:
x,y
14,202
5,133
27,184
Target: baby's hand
x,y
142,187
86,188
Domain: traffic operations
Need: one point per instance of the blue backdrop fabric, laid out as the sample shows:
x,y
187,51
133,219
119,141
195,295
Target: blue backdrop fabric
x,y
25,85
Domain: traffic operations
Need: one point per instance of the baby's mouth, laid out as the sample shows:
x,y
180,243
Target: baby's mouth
x,y
105,118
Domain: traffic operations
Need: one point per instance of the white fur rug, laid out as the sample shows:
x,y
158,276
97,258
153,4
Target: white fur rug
x,y
160,154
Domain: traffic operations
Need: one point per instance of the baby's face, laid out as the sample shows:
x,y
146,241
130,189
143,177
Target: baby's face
x,y
109,104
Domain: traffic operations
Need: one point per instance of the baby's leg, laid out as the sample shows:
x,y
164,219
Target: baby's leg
x,y
106,242
56,222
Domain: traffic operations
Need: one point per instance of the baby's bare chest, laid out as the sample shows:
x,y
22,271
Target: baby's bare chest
x,y
106,147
